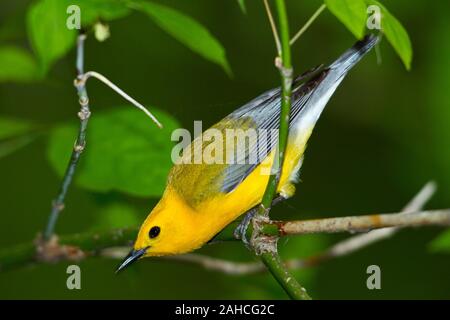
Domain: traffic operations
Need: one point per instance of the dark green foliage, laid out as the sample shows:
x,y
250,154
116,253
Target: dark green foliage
x,y
125,151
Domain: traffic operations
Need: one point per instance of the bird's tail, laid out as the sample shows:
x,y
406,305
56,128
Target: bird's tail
x,y
322,86
352,56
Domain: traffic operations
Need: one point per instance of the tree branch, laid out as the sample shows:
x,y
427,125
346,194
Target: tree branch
x,y
64,248
80,143
365,223
351,224
355,243
91,243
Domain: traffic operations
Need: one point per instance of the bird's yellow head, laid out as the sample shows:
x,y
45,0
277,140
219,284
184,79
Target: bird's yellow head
x,y
168,229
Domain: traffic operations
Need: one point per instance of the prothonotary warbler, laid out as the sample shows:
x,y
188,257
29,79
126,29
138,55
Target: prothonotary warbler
x,y
201,198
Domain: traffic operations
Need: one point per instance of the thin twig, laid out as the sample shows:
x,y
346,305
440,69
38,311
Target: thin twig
x,y
227,266
83,114
273,27
209,263
360,241
110,84
222,265
351,224
365,223
307,24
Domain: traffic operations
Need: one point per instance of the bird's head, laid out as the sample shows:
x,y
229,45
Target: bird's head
x,y
169,229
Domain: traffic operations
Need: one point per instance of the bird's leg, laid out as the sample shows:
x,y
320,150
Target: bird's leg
x,y
241,230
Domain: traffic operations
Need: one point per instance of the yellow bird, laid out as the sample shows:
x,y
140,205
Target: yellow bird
x,y
201,199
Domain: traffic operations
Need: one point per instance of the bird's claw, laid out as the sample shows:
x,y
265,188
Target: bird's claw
x,y
241,230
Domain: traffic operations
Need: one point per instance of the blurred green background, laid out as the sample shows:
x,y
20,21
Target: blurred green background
x,y
384,134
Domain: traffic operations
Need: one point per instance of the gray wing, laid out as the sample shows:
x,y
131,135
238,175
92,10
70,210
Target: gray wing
x,y
264,112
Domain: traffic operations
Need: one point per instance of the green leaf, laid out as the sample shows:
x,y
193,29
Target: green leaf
x,y
116,215
186,30
441,243
48,33
242,6
125,152
11,127
104,10
352,13
395,34
16,65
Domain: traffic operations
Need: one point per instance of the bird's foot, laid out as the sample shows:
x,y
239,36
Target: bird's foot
x,y
241,230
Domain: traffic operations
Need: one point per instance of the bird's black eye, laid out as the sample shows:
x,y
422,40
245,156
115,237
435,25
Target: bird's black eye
x,y
154,232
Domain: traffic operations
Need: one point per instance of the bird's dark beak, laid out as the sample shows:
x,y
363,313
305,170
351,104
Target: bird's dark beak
x,y
131,257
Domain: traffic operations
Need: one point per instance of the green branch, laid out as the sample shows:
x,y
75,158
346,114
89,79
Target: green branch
x,y
286,81
89,243
80,143
263,245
